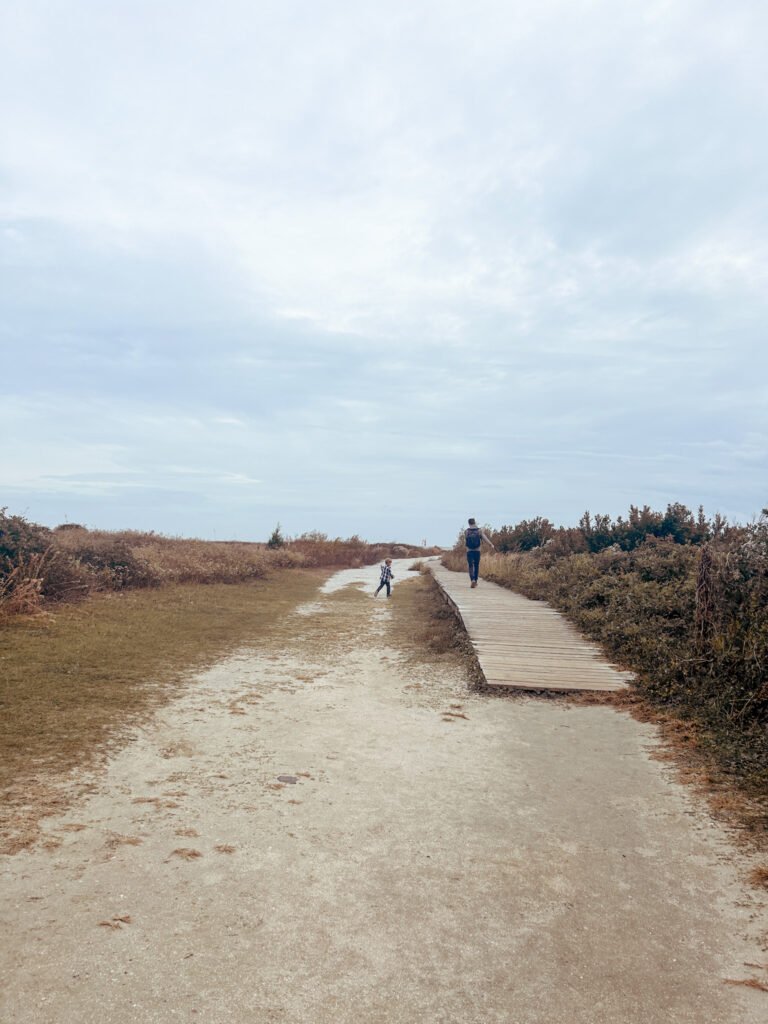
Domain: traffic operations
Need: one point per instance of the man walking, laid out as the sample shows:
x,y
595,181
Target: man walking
x,y
473,538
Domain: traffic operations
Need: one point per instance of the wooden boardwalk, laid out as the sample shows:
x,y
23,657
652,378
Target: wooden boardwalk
x,y
524,644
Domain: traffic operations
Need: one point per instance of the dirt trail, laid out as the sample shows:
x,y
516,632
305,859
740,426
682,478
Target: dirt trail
x,y
441,856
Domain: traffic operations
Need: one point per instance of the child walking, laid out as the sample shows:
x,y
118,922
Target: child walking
x,y
386,577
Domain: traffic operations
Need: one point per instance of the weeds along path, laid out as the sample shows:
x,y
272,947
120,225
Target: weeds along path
x,y
333,828
75,684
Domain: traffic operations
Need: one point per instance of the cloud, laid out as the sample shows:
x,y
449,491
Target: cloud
x,y
300,251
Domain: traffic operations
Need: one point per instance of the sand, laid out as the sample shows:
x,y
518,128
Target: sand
x,y
325,829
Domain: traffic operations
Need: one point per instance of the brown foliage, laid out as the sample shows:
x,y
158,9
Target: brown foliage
x,y
39,566
691,620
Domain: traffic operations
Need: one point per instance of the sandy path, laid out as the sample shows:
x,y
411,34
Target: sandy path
x,y
527,863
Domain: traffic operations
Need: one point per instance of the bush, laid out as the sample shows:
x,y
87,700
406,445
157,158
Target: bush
x,y
598,532
38,565
527,535
689,617
19,539
276,540
24,556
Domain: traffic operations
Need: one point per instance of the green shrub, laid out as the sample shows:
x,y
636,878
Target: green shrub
x,y
599,532
19,539
276,539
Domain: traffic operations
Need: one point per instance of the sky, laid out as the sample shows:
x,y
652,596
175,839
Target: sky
x,y
374,268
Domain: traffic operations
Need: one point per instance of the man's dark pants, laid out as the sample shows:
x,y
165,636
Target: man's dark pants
x,y
473,561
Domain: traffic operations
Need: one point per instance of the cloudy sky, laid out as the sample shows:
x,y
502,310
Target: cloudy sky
x,y
375,267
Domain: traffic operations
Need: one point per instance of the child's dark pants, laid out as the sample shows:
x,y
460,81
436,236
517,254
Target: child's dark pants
x,y
384,583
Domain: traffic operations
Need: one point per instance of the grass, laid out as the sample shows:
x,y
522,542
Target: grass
x,y
747,982
186,853
40,567
425,624
76,683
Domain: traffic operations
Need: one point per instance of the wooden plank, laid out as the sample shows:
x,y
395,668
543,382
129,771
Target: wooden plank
x,y
524,644
546,684
524,664
541,650
532,658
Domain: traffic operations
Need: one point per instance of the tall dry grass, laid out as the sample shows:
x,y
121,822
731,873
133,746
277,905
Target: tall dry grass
x,y
21,586
127,559
40,567
319,550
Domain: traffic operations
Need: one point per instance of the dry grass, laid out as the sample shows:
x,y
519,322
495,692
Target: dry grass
x,y
116,840
319,550
78,682
185,853
20,589
116,923
40,567
130,558
426,625
759,877
747,982
696,765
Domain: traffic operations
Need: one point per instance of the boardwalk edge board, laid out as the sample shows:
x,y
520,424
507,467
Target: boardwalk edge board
x,y
525,645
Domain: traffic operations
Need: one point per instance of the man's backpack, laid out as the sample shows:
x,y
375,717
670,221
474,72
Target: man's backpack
x,y
473,538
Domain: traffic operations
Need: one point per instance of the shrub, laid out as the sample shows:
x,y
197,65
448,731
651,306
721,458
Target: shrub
x,y
598,532
276,539
20,539
528,534
24,556
689,618
39,565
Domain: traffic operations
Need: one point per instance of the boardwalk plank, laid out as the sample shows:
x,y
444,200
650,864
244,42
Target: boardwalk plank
x,y
524,644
